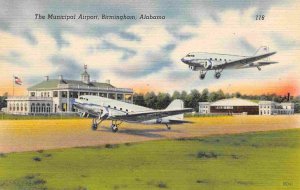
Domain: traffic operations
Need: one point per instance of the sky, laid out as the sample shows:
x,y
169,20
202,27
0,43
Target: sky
x,y
145,54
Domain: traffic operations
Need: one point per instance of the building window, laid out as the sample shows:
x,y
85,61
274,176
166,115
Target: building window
x,y
43,108
73,94
64,94
120,96
48,108
17,106
112,96
55,94
64,106
25,107
103,94
38,107
32,108
21,107
32,93
128,97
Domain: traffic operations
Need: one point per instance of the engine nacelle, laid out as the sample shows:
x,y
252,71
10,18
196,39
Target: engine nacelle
x,y
84,114
212,64
208,64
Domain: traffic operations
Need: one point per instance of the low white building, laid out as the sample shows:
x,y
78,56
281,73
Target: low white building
x,y
204,107
56,95
274,108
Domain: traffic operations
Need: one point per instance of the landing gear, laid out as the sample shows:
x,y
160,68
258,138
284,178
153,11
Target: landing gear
x,y
258,68
202,74
168,127
94,127
95,123
218,73
114,126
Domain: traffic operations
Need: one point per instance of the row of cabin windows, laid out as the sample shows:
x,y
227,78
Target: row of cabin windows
x,y
121,109
216,59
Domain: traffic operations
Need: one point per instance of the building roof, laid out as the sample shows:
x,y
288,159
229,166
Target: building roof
x,y
234,102
53,83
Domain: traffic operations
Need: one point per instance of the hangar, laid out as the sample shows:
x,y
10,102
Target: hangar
x,y
232,106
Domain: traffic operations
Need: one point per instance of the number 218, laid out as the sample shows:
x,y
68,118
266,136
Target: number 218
x,y
260,17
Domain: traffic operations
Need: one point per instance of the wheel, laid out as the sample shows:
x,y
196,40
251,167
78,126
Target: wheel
x,y
94,127
202,76
168,127
217,75
114,128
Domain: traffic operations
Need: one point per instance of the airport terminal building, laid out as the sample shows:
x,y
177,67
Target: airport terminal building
x,y
236,106
53,96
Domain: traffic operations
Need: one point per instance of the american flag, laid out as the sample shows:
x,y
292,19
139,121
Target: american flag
x,y
18,80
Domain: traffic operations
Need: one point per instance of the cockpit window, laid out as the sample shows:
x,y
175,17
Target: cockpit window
x,y
190,55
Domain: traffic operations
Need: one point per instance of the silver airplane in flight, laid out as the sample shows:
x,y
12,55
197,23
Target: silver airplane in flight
x,y
101,109
203,62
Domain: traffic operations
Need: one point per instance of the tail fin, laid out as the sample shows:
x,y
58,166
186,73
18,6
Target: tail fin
x,y
262,50
175,104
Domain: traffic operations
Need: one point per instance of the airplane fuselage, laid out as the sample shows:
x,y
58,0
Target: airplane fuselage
x,y
209,61
94,106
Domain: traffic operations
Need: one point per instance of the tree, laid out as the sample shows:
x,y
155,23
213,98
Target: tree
x,y
204,95
220,94
176,95
150,100
183,96
193,99
3,102
237,95
163,100
138,99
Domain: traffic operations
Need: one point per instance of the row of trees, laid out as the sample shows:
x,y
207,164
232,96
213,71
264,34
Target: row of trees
x,y
3,102
162,100
191,99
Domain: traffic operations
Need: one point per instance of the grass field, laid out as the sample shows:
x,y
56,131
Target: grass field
x,y
260,160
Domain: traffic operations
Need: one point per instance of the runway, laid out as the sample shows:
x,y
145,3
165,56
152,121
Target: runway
x,y
32,135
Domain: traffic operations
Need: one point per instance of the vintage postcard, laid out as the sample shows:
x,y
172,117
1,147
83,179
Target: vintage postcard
x,y
127,94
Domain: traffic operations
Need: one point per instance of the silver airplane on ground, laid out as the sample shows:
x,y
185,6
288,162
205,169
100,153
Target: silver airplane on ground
x,y
203,62
101,109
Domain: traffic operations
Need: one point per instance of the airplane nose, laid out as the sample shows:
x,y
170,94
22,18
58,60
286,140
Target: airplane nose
x,y
183,60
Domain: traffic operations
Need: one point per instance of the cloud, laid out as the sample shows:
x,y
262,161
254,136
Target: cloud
x,y
68,67
127,53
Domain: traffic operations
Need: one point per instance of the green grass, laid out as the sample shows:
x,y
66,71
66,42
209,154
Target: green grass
x,y
262,160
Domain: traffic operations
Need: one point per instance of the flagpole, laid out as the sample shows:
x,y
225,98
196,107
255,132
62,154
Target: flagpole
x,y
13,85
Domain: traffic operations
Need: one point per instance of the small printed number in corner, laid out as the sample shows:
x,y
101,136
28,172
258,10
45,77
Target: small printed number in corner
x,y
287,183
260,17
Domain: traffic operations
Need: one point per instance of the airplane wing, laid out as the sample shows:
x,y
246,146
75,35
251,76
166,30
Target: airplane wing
x,y
257,64
148,115
238,64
